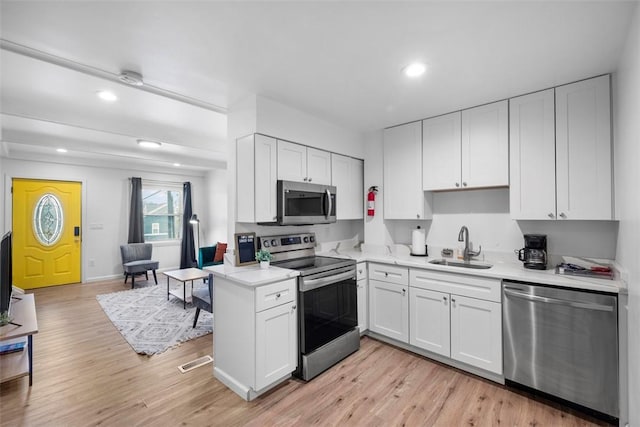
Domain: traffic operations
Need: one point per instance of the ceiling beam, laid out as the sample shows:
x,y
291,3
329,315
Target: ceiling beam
x,y
106,75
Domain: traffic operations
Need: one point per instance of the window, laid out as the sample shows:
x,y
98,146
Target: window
x,y
162,211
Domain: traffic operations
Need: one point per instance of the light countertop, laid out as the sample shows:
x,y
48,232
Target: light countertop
x,y
252,275
502,269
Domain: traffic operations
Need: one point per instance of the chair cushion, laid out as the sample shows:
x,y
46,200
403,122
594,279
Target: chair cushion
x,y
202,299
140,266
205,255
221,248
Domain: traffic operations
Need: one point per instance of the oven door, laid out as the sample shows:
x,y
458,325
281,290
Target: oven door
x,y
305,203
329,308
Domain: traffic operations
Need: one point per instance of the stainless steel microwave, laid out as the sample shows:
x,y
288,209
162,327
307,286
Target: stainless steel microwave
x,y
303,203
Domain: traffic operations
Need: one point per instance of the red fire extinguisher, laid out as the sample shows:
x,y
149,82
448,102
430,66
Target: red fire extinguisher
x,y
371,201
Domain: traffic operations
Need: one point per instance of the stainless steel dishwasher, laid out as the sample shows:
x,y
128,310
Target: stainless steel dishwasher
x,y
562,342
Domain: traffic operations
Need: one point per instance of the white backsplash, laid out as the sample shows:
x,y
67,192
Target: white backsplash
x,y
486,215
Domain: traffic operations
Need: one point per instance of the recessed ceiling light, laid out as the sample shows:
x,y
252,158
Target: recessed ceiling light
x,y
106,95
414,70
176,165
61,150
148,144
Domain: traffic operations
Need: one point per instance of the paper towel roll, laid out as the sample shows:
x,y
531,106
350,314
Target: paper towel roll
x,y
418,241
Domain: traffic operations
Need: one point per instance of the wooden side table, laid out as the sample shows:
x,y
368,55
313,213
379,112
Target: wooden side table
x,y
184,275
19,364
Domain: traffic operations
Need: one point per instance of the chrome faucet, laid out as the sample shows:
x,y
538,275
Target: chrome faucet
x,y
463,236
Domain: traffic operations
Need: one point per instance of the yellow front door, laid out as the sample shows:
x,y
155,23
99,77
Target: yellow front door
x,y
46,232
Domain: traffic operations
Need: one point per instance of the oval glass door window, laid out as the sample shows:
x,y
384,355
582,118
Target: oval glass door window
x,y
48,219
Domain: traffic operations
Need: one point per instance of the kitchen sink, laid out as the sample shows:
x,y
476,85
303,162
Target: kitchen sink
x,y
470,264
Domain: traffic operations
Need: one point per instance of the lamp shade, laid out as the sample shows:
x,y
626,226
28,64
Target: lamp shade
x,y
194,219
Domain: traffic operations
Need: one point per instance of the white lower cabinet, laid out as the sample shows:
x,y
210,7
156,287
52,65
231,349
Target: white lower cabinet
x,y
457,316
389,309
256,340
429,323
476,332
363,296
275,339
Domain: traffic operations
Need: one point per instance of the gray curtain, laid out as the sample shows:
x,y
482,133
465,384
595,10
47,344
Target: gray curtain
x,y
187,248
136,220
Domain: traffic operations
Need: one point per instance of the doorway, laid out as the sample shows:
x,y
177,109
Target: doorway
x,y
46,225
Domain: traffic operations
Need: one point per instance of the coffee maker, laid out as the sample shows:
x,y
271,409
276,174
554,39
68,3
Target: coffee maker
x,y
534,253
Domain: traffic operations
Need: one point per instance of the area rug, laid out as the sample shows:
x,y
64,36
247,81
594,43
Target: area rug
x,y
149,322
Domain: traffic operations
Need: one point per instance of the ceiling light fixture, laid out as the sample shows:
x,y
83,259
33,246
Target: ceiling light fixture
x,y
414,70
61,150
176,165
148,144
131,78
105,95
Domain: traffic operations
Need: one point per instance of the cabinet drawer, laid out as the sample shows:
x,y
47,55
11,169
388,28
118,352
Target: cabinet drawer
x,y
458,284
361,271
275,294
389,273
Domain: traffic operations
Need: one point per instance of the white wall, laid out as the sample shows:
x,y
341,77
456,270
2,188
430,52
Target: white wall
x,y
214,227
626,99
105,210
486,214
258,114
284,122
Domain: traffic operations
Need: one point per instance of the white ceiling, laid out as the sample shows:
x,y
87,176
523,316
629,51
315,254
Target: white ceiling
x,y
340,61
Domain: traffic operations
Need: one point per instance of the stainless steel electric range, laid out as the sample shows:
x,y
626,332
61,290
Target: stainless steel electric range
x,y
327,297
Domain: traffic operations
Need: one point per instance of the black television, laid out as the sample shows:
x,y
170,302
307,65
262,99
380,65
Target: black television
x,y
6,278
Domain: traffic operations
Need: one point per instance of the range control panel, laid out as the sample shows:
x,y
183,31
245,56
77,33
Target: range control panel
x,y
288,242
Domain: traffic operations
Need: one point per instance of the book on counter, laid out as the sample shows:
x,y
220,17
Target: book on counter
x,y
13,347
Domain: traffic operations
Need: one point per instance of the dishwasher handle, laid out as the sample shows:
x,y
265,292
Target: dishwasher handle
x,y
536,298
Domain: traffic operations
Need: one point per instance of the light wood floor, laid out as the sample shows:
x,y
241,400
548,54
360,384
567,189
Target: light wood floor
x,y
86,374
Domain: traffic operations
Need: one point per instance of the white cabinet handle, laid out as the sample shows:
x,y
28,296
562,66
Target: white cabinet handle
x,y
418,216
457,184
464,184
277,296
551,215
293,308
404,291
309,179
444,299
562,215
305,178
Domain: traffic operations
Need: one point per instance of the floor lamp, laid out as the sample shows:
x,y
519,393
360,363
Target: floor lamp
x,y
195,221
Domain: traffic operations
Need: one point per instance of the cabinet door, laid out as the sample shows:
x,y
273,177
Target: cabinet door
x,y
402,193
583,150
476,333
429,321
363,302
292,161
347,177
276,344
485,146
318,166
389,310
266,175
532,189
441,152
356,205
245,179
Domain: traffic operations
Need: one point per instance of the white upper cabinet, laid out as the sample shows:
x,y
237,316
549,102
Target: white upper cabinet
x,y
532,193
318,166
256,179
466,149
402,173
485,146
441,152
561,153
303,164
347,175
583,150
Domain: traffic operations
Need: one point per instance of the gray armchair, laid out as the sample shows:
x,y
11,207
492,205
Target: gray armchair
x,y
202,298
136,259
